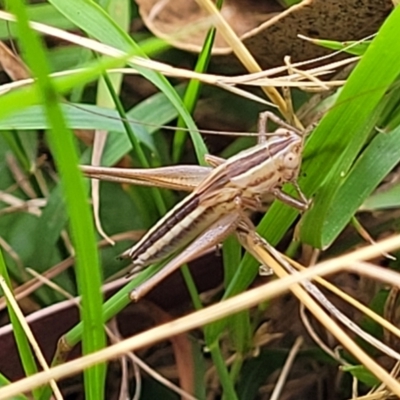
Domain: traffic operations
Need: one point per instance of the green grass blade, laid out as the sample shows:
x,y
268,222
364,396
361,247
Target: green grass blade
x,y
15,146
339,138
4,382
24,349
371,168
223,374
65,153
388,199
81,116
355,48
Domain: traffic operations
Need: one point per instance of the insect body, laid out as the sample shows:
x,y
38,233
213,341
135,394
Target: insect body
x,y
237,183
217,205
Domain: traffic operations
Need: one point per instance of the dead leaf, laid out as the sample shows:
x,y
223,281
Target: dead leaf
x,y
12,64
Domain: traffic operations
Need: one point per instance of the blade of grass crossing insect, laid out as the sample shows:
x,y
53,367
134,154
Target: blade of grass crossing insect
x,y
231,252
238,324
64,150
231,257
193,91
95,21
24,349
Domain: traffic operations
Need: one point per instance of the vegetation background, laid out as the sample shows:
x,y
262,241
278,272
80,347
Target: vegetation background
x,y
51,249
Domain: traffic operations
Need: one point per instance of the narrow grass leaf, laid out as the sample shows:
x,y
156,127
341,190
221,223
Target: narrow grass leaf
x,y
222,370
239,326
78,116
362,374
388,199
371,168
64,151
51,222
351,47
345,129
140,154
24,349
154,112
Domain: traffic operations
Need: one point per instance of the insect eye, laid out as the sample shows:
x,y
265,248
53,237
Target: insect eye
x,y
291,160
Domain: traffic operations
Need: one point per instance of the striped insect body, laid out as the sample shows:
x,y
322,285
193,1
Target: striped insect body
x,y
236,183
218,204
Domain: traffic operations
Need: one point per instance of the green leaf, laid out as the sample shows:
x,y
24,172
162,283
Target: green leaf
x,y
362,374
65,153
371,167
78,116
24,349
256,371
352,47
337,141
388,199
48,229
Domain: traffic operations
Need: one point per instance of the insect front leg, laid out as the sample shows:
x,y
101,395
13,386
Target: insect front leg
x,y
301,204
262,125
302,196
